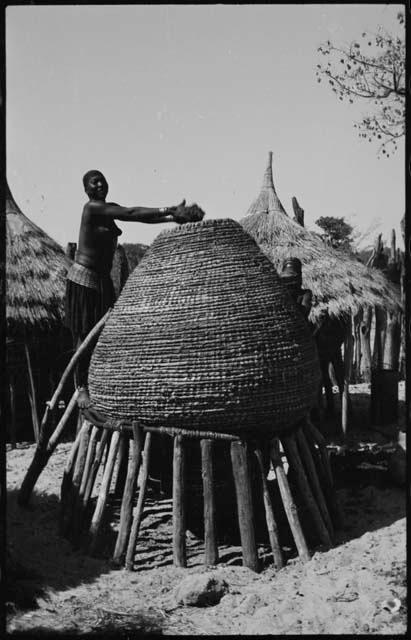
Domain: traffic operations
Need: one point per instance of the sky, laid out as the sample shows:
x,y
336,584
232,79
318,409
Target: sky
x,y
186,101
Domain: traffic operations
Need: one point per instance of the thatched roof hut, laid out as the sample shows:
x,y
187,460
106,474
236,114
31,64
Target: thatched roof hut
x,y
340,284
36,275
35,289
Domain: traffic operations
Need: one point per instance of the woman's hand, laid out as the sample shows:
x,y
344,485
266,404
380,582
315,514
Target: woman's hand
x,y
183,214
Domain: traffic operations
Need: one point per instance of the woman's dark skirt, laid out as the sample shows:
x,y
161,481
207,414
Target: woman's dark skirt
x,y
85,306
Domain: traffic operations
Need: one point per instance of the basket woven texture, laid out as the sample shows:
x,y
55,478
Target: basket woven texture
x,y
205,336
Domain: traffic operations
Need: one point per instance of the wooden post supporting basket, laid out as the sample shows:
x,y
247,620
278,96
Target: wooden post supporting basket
x,y
311,489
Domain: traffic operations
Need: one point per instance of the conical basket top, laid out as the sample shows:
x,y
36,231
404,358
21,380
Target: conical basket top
x,y
205,336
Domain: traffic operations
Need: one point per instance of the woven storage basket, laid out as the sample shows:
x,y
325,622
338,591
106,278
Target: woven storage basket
x,y
205,336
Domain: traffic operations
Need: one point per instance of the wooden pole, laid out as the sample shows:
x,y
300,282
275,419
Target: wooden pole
x,y
357,345
32,395
91,452
379,337
129,490
179,520
269,515
44,449
210,528
244,504
348,346
103,494
67,473
79,352
310,469
294,460
94,467
70,520
12,398
365,328
318,438
131,548
122,465
288,502
393,253
392,342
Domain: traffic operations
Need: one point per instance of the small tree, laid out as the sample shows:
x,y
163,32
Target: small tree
x,y
372,71
337,231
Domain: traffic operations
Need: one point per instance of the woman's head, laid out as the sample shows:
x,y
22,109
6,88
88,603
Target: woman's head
x,y
95,185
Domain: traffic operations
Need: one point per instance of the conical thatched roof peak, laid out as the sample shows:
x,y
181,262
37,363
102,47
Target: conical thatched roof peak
x,y
340,283
35,275
268,200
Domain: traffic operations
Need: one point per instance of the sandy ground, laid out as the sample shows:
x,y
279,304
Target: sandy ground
x,y
357,587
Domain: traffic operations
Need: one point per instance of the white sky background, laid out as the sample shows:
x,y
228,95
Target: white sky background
x,y
186,101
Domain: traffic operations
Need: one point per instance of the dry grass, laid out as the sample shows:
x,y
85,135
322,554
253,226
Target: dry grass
x,y
36,274
340,284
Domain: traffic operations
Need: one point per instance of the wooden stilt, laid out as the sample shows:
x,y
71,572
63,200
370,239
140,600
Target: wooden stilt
x,y
244,504
122,465
210,530
68,471
68,515
269,515
329,481
129,490
12,398
294,460
94,467
288,502
131,547
43,451
311,472
32,395
74,508
91,452
104,491
179,525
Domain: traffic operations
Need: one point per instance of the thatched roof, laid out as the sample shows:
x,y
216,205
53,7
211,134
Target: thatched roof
x,y
35,274
339,283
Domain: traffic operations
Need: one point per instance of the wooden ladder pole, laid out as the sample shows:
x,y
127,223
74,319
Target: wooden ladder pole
x,y
244,503
78,353
269,515
179,520
129,490
294,460
135,528
288,502
210,526
104,492
44,449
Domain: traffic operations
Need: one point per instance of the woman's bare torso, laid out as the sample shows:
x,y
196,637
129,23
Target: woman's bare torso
x,y
97,241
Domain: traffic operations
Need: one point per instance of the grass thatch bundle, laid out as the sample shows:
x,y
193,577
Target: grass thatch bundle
x,y
339,283
36,274
205,336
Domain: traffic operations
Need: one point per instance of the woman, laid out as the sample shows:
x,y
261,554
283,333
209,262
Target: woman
x,y
90,292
